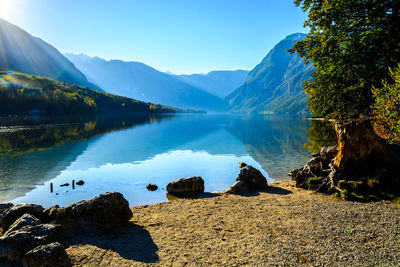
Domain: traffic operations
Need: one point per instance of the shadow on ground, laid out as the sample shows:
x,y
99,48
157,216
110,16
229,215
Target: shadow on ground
x,y
130,241
173,197
277,190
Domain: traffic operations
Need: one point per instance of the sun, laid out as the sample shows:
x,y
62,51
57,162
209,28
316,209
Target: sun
x,y
9,9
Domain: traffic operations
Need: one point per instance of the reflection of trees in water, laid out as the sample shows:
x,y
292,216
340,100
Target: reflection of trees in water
x,y
280,144
320,134
46,136
53,148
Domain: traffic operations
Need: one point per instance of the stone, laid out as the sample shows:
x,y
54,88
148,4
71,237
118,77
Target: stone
x,y
194,184
4,206
24,220
152,187
242,164
15,244
49,255
12,214
105,209
328,153
252,177
80,182
237,188
50,213
66,184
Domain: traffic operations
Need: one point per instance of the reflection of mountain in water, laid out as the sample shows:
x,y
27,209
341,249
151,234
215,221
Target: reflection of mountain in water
x,y
276,143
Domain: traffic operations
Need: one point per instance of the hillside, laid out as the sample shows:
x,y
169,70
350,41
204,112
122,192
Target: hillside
x,y
220,83
22,94
275,85
139,81
22,52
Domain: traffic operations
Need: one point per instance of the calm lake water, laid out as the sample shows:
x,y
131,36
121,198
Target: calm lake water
x,y
126,154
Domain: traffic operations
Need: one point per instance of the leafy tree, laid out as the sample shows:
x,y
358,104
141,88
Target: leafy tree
x,y
352,44
387,108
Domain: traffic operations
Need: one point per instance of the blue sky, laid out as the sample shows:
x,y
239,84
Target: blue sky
x,y
181,36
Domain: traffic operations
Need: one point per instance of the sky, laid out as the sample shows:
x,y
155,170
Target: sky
x,y
180,36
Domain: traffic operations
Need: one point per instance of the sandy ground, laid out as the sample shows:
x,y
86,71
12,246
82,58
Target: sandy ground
x,y
282,226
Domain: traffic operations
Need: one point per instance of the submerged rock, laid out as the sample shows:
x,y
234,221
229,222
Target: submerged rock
x,y
66,184
194,184
12,214
49,255
106,209
152,187
80,182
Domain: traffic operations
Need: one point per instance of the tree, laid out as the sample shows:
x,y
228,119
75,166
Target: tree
x,y
352,44
386,111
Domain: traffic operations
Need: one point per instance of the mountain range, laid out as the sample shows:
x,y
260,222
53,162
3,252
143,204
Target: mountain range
x,y
22,52
220,83
142,82
275,85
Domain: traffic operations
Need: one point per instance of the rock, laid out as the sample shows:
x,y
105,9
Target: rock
x,y
66,184
242,164
12,214
49,255
238,187
328,152
49,214
252,177
15,244
25,220
106,209
80,182
194,184
4,206
152,187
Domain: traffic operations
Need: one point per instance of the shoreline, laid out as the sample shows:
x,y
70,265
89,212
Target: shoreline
x,y
281,225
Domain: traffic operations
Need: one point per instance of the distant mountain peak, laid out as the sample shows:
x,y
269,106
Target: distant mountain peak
x,y
20,51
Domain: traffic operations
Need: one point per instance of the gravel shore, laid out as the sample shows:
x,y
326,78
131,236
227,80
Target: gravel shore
x,y
282,226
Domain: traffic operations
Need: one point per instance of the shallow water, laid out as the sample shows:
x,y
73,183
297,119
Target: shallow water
x,y
126,154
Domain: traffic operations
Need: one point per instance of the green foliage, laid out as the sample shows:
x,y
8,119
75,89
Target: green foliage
x,y
314,180
351,43
22,94
387,108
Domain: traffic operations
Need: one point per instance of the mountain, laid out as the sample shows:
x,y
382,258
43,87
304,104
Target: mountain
x,y
22,94
139,81
22,52
275,85
220,83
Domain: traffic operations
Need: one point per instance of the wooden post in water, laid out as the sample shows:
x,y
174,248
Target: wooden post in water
x,y
73,184
51,187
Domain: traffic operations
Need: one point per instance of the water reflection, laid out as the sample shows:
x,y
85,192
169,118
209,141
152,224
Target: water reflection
x,y
125,155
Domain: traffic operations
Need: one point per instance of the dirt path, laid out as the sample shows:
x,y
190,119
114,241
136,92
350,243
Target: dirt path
x,y
282,226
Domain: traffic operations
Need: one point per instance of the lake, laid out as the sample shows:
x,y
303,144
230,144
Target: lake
x,y
124,155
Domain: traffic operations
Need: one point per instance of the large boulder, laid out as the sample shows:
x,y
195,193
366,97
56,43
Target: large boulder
x,y
4,206
25,220
50,213
249,178
13,213
50,255
194,184
106,209
14,244
252,177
